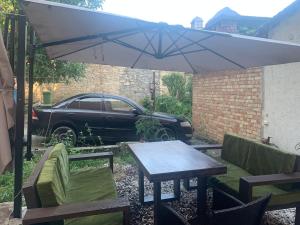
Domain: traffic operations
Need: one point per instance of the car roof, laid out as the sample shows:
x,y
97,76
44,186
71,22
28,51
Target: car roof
x,y
99,95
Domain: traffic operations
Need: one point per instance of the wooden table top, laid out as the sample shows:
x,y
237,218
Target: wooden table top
x,y
173,160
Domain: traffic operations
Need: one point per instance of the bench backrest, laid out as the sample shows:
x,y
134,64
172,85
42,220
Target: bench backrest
x,y
29,187
47,190
255,157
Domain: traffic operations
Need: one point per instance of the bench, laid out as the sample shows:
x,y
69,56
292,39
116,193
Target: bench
x,y
54,195
255,169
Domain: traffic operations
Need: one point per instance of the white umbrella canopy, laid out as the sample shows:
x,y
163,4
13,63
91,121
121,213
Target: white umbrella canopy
x,y
81,35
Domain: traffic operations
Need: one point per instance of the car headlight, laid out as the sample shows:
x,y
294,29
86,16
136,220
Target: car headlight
x,y
185,124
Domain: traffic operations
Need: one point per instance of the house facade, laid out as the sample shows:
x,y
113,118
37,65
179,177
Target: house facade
x,y
258,102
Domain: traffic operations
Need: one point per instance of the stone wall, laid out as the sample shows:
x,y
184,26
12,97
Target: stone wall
x,y
228,102
131,83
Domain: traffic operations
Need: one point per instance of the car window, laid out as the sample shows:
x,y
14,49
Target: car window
x,y
116,105
87,103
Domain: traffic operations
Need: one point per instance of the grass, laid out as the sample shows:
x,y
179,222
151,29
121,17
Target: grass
x,y
7,179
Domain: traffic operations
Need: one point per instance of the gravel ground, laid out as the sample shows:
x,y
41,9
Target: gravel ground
x,y
127,184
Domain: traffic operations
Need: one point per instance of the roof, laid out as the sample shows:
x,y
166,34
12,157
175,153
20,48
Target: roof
x,y
229,14
285,13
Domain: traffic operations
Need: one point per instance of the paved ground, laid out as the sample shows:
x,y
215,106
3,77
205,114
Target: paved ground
x,y
5,214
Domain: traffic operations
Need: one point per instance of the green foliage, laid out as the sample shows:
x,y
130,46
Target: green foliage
x,y
147,128
147,103
179,86
7,179
55,71
180,100
91,4
171,105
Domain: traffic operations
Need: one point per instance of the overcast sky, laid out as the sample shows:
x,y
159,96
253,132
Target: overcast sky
x,y
182,12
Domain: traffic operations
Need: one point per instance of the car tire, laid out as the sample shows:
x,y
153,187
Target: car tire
x,y
62,133
165,134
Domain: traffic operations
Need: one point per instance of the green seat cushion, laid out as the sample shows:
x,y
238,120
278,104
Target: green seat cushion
x,y
101,219
235,150
59,151
230,183
49,185
90,185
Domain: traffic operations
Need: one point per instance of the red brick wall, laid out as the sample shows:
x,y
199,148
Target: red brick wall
x,y
228,102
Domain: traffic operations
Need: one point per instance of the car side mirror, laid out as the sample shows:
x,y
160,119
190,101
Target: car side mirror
x,y
135,112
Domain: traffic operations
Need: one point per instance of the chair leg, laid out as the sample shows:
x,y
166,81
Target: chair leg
x,y
297,215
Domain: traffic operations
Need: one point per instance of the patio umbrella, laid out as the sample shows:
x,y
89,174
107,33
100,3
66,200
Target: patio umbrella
x,y
81,35
6,106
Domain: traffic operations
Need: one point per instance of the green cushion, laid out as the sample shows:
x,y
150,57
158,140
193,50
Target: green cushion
x,y
59,151
235,150
91,185
49,185
230,183
265,159
104,219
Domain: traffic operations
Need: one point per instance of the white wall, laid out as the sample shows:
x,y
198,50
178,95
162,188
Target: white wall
x,y
282,91
281,107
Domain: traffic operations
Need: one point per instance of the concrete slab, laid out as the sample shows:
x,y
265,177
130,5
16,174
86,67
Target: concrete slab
x,y
6,209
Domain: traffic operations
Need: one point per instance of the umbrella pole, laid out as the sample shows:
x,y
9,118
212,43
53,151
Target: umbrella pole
x,y
29,154
18,157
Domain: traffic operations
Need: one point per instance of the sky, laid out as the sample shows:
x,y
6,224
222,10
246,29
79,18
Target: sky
x,y
182,12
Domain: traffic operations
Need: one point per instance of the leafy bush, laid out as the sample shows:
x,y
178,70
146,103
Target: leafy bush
x,y
147,128
147,103
171,105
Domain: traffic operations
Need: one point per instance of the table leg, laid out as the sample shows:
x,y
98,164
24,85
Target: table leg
x,y
141,186
157,201
177,189
201,198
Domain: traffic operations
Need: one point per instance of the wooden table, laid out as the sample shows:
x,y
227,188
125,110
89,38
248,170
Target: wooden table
x,y
173,160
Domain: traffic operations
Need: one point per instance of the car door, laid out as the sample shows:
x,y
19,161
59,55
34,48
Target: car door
x,y
120,119
88,116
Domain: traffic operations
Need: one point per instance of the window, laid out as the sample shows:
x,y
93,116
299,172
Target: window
x,y
116,105
87,103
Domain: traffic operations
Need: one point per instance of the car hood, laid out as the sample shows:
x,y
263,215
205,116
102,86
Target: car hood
x,y
166,116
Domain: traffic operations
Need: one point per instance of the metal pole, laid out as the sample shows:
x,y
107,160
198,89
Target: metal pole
x,y
153,91
5,35
29,154
18,159
12,42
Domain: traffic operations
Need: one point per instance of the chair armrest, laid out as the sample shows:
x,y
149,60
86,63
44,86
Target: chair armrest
x,y
43,215
207,147
247,183
222,200
99,155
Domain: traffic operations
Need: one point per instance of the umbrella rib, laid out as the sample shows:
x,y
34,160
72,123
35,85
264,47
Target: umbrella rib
x,y
91,46
188,52
140,55
174,42
186,59
147,38
216,53
88,37
124,44
191,44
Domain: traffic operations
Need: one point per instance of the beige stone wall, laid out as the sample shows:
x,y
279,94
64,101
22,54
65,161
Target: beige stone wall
x,y
131,83
228,102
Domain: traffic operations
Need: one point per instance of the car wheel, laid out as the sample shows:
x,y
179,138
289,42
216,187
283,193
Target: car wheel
x,y
165,134
65,134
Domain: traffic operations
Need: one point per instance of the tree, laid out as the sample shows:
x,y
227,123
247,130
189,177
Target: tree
x,y
53,71
179,86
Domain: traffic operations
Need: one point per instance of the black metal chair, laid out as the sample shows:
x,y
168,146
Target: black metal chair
x,y
226,210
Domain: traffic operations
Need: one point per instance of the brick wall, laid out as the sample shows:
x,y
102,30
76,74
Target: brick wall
x,y
228,102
